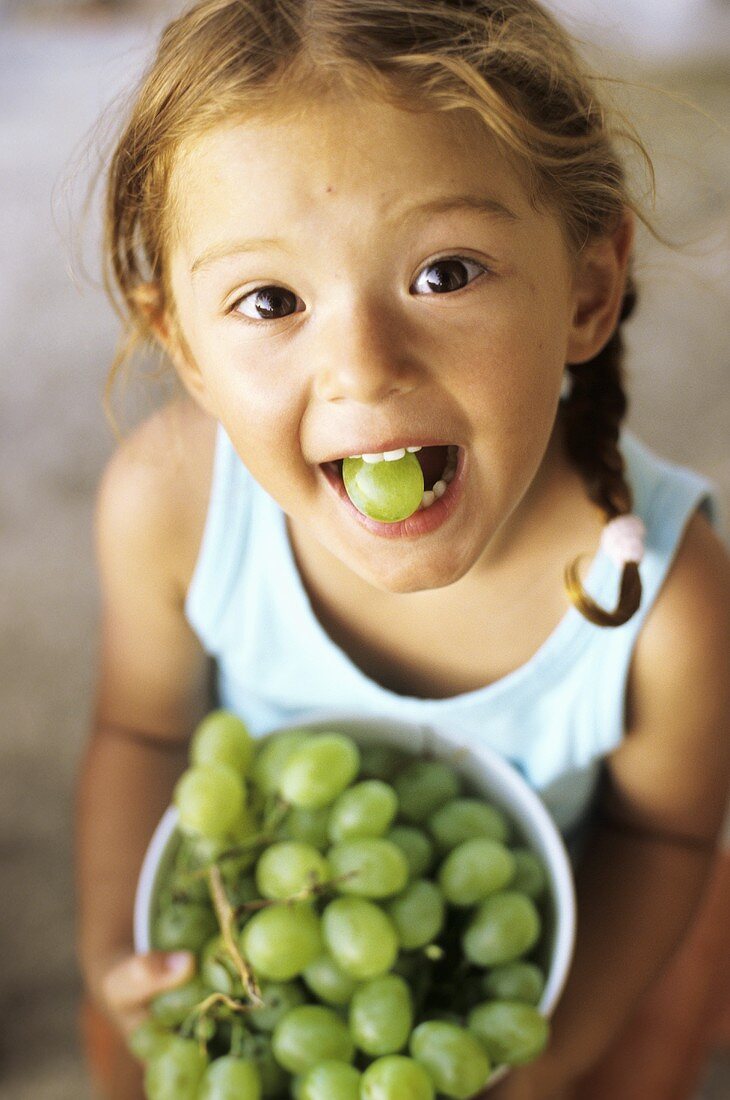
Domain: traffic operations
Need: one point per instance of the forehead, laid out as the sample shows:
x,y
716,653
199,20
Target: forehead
x,y
371,156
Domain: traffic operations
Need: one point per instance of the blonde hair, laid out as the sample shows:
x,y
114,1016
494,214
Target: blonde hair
x,y
507,60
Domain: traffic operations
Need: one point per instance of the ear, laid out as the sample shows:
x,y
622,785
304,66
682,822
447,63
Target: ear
x,y
148,300
598,290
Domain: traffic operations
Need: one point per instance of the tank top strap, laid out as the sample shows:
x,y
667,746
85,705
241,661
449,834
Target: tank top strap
x,y
224,544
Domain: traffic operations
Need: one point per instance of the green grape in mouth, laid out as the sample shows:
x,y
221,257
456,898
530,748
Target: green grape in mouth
x,y
385,491
370,867
381,1015
330,1080
310,1034
230,1078
395,1077
222,738
512,1032
456,1061
366,809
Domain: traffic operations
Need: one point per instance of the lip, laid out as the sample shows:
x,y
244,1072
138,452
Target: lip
x,y
422,522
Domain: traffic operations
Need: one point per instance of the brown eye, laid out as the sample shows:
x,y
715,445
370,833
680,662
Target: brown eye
x,y
449,274
268,302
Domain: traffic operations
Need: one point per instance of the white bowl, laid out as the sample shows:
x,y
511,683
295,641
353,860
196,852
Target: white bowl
x,y
481,767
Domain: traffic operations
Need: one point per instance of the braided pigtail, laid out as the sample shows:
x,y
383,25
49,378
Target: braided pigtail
x,y
593,411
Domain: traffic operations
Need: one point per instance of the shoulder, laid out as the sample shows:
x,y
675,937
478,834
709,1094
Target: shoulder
x,y
671,772
154,490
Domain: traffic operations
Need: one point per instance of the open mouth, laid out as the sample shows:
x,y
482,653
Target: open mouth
x,y
438,465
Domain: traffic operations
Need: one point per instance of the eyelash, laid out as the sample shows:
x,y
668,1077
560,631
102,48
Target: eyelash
x,y
232,309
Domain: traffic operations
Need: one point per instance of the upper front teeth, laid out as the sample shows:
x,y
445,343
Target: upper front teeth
x,y
387,456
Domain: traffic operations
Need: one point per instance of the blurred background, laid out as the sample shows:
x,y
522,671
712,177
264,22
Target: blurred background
x,y
63,63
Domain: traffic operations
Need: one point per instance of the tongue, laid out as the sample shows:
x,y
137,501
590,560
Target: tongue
x,y
433,461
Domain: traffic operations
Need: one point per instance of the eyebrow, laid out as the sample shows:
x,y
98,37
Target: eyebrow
x,y
475,203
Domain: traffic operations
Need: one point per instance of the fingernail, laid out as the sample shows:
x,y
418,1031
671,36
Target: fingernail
x,y
177,961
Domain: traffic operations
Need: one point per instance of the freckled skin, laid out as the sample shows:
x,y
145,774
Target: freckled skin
x,y
365,353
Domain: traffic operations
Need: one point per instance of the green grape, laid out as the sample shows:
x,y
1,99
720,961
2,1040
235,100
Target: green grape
x,y
386,491
504,927
183,926
171,1007
364,810
395,1077
455,1060
230,1078
209,799
475,869
380,761
175,1073
416,847
530,877
222,738
381,1015
279,998
287,868
418,913
218,970
311,826
317,772
372,867
271,757
329,1080
422,787
328,982
281,940
464,819
256,1048
511,1031
310,1034
148,1039
361,938
515,981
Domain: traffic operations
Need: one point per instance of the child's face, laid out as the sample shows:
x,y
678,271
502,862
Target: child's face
x,y
378,341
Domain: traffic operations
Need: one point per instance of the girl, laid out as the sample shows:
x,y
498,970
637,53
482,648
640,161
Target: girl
x,y
357,226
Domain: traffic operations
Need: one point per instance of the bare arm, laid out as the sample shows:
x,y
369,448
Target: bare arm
x,y
662,806
152,689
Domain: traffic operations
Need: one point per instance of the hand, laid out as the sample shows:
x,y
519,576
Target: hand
x,y
132,982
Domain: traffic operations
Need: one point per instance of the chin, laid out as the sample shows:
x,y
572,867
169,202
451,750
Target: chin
x,y
415,575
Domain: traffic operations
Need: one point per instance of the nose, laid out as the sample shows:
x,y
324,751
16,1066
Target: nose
x,y
362,357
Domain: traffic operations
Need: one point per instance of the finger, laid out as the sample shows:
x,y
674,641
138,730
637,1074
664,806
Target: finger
x,y
133,981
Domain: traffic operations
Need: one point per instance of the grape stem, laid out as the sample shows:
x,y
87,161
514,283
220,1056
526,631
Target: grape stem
x,y
304,894
226,918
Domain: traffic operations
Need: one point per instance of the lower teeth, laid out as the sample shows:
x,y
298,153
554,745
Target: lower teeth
x,y
438,490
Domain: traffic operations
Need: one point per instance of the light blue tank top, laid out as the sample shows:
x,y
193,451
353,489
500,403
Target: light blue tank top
x,y
554,718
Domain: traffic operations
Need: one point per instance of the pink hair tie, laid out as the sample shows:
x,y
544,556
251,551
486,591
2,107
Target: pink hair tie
x,y
623,539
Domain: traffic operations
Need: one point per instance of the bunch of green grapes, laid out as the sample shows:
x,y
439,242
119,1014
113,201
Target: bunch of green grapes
x,y
365,929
